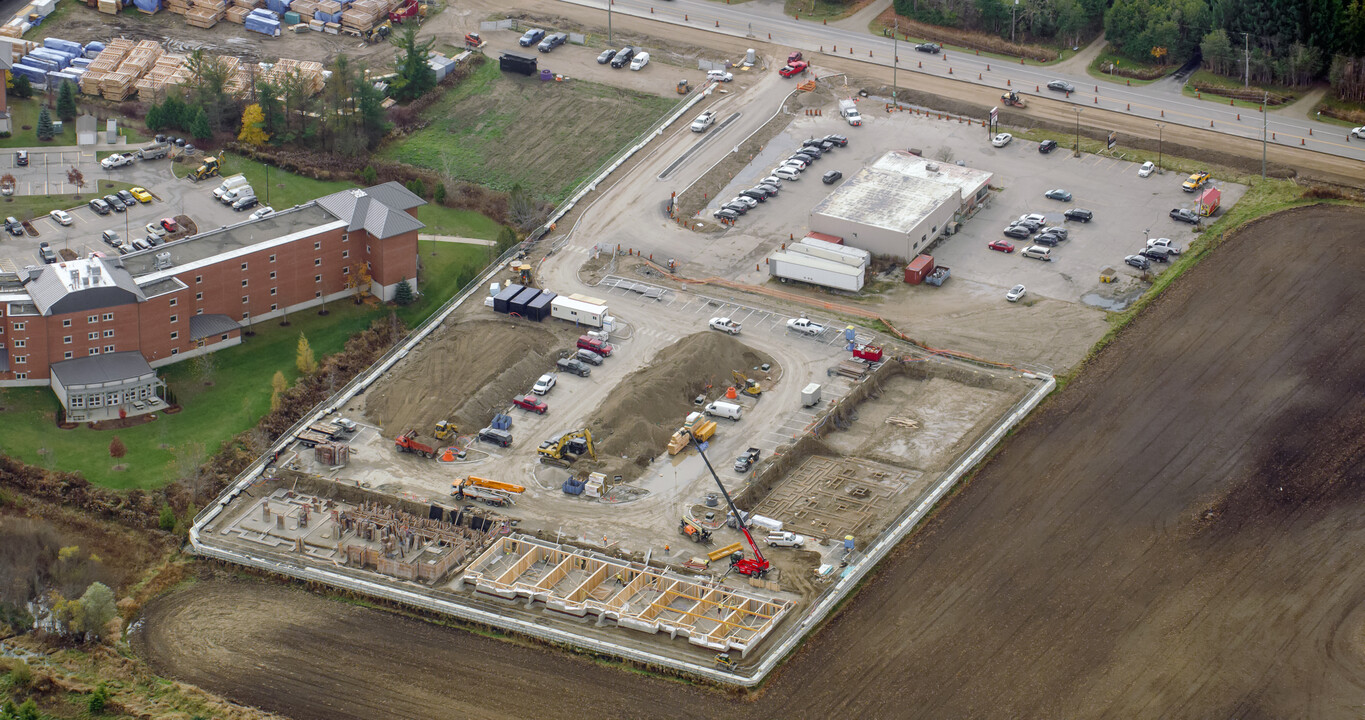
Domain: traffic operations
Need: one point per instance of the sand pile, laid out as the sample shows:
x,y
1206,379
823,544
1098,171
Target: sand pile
x,y
467,374
643,412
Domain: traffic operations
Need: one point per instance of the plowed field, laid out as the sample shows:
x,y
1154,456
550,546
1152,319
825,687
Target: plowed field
x,y
1177,534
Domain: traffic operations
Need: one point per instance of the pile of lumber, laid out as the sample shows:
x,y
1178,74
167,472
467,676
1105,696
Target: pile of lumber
x,y
305,8
309,71
168,71
205,13
237,14
122,82
106,62
363,15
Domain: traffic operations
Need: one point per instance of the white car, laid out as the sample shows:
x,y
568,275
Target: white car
x,y
1359,132
793,162
745,200
62,217
1002,139
156,229
1015,293
544,384
787,172
639,61
773,180
1164,243
1146,169
805,326
719,76
266,211
703,121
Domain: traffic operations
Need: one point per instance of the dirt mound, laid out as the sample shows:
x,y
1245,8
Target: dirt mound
x,y
651,403
469,372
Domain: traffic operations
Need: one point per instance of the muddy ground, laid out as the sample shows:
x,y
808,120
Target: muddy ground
x,y
1174,535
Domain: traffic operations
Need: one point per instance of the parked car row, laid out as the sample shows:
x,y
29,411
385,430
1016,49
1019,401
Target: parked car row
x,y
790,169
120,201
154,235
1159,250
635,57
589,351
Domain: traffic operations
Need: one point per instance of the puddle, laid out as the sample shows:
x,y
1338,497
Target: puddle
x,y
1112,304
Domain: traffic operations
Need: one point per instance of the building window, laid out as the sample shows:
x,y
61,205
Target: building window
x,y
246,314
272,274
108,333
92,319
94,351
93,336
345,254
198,279
175,318
243,266
173,302
345,237
66,322
199,296
244,283
272,291
20,376
346,270
272,258
77,401
317,278
175,351
245,298
933,229
20,343
175,334
274,307
317,294
224,336
200,311
20,359
317,262
317,245
18,326
66,340
108,316
367,249
66,355
108,348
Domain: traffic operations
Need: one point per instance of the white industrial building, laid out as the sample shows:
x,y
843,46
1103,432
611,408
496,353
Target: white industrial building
x,y
900,204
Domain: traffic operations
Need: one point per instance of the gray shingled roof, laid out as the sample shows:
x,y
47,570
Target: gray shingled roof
x,y
202,326
395,196
48,290
95,369
362,210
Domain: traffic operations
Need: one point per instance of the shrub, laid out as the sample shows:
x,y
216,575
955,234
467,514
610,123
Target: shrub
x,y
167,520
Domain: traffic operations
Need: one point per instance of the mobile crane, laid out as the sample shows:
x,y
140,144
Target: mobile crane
x,y
756,566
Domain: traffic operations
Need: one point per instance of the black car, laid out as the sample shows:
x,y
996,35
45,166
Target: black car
x,y
1017,231
1031,225
127,198
1184,215
831,177
1061,86
99,206
1047,146
770,189
1079,215
811,150
758,195
929,48
46,253
13,226
114,202
1046,240
531,37
839,140
1151,254
21,158
813,142
725,214
1060,232
606,56
1138,262
622,57
804,157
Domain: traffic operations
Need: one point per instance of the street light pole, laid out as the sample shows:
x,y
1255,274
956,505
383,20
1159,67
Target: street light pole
x,y
1078,131
609,42
1013,9
1159,126
1246,53
1265,122
895,59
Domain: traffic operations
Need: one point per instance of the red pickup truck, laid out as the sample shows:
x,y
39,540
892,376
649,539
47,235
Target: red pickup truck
x,y
598,346
530,402
793,69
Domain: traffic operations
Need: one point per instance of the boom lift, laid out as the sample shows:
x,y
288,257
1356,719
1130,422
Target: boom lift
x,y
757,566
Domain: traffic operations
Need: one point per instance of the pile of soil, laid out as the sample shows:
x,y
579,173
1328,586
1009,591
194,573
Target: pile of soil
x,y
634,424
465,375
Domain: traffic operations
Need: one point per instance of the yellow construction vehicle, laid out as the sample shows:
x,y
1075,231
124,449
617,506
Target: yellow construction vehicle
x,y
567,448
684,87
379,33
1012,98
523,272
460,483
745,385
696,426
207,170
444,429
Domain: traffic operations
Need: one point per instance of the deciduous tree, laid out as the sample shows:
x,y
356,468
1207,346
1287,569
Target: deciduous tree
x,y
116,448
253,126
304,360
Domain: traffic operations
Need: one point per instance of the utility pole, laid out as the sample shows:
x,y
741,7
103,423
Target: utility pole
x,y
609,42
1159,126
1265,122
1013,9
895,58
1078,131
1246,53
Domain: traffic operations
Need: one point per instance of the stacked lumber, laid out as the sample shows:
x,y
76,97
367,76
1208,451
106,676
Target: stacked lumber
x,y
248,4
118,85
205,13
310,72
110,7
237,14
13,31
168,71
305,8
363,15
179,7
108,61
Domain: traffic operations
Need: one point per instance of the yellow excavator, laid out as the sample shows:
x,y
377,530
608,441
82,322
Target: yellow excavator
x,y
745,385
207,170
567,448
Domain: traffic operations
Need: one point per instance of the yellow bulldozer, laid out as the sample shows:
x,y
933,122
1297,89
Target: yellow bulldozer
x,y
207,170
445,429
566,448
745,385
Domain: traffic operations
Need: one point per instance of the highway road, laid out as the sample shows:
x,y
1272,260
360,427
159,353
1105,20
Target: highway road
x,y
1160,102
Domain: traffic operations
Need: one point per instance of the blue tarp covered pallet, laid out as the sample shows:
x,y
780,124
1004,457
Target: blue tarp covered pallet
x,y
81,62
93,48
66,46
262,25
41,63
61,58
278,6
265,14
327,17
34,74
148,6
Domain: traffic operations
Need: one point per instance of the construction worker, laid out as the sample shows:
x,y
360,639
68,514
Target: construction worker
x,y
665,548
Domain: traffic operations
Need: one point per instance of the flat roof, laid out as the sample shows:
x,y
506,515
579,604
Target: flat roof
x,y
968,180
888,200
219,241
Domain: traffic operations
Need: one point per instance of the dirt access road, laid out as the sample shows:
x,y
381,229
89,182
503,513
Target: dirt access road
x,y
1175,535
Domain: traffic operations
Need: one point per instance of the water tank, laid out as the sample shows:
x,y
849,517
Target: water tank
x,y
750,57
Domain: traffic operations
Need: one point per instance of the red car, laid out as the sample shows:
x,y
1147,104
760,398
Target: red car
x,y
530,402
795,68
1002,246
169,225
591,343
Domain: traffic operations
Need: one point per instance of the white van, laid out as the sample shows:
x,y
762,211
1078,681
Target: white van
x,y
639,61
1037,252
228,184
237,193
724,409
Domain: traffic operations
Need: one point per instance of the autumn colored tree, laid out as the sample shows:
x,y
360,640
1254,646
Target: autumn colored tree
x,y
116,448
304,360
253,126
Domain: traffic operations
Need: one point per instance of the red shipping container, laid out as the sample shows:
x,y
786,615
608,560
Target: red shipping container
x,y
825,237
918,269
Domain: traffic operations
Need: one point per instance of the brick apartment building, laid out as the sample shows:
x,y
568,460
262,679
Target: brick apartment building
x,y
95,329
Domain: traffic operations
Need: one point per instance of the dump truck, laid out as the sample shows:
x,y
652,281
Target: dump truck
x,y
1012,99
411,442
747,459
208,169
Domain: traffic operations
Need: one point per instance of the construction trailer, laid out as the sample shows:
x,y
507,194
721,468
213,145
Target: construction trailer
x,y
578,311
816,271
539,308
835,251
1209,200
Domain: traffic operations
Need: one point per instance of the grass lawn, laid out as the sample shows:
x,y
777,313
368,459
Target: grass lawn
x,y
882,27
25,112
1207,78
1330,103
821,9
492,130
1098,69
237,399
27,207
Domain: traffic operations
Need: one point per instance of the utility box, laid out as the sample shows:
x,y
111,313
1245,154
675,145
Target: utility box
x,y
810,395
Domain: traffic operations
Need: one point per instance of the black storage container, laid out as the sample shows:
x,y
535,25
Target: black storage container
x,y
518,303
512,62
504,298
539,308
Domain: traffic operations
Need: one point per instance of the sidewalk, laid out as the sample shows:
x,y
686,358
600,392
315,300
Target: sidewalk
x,y
453,239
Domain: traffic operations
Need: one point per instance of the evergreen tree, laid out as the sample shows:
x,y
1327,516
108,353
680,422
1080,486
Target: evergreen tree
x,y
45,131
199,128
440,195
23,89
156,118
403,293
173,113
66,101
415,76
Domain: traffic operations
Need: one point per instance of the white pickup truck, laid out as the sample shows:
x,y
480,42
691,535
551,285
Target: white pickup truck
x,y
725,324
117,160
804,325
703,121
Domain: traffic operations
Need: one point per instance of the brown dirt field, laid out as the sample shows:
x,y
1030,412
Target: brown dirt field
x,y
467,373
649,405
1176,534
